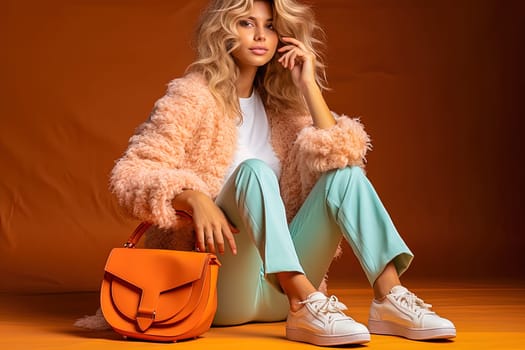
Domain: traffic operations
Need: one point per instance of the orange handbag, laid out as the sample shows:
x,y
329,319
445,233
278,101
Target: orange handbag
x,y
157,294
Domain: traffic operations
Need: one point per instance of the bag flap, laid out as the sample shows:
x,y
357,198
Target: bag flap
x,y
156,269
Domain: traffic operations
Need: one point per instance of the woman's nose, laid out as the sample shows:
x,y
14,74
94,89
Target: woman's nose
x,y
259,34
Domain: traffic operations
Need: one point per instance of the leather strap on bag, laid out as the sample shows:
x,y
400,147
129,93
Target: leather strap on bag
x,y
143,227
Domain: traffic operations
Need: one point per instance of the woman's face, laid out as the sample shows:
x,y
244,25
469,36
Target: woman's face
x,y
257,38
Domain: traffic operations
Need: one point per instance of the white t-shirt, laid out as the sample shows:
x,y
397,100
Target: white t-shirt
x,y
253,136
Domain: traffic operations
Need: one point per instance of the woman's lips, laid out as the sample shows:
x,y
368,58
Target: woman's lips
x,y
259,50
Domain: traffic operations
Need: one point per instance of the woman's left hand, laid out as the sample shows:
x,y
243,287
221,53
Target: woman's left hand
x,y
299,61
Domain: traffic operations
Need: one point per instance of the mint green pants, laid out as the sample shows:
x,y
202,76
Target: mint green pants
x,y
343,203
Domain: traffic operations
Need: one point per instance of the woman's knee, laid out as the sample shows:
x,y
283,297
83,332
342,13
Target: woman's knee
x,y
347,173
256,167
339,181
255,174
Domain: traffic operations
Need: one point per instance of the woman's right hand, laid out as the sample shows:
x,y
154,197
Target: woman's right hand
x,y
211,226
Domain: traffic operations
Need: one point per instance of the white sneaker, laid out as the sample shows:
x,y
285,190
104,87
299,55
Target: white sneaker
x,y
403,314
322,322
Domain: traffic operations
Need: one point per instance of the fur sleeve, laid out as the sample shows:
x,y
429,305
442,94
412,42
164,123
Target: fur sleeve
x,y
344,144
151,172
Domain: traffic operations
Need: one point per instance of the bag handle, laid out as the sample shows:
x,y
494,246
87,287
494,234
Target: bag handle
x,y
143,227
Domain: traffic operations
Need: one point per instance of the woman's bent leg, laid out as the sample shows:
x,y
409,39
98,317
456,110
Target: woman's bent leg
x,y
248,289
344,202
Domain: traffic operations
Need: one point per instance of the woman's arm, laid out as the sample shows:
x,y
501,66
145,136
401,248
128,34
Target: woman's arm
x,y
152,171
301,63
332,141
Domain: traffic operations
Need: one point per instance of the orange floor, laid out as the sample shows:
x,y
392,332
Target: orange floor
x,y
487,316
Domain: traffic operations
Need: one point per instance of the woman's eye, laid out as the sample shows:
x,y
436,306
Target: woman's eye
x,y
270,26
244,23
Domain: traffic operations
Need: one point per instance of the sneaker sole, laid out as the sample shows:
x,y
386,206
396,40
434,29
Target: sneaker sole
x,y
303,336
389,328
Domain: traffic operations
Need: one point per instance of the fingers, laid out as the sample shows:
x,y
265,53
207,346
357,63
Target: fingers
x,y
288,59
231,240
206,238
212,238
219,240
210,224
294,53
220,236
199,238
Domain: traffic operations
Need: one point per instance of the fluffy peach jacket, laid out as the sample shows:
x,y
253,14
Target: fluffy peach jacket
x,y
187,143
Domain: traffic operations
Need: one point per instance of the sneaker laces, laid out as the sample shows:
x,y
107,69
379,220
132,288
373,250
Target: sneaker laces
x,y
329,305
413,303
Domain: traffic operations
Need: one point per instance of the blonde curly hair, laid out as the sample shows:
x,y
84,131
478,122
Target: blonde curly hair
x,y
216,38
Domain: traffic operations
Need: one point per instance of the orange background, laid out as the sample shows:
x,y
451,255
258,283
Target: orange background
x,y
437,84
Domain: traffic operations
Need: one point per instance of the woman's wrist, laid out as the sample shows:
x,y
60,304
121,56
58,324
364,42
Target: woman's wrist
x,y
183,201
321,115
308,87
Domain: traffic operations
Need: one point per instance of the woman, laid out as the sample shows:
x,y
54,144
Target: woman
x,y
246,143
